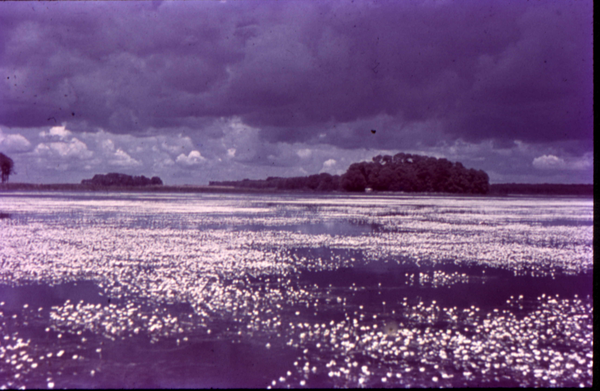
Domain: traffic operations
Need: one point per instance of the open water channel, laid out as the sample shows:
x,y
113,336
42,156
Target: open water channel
x,y
141,290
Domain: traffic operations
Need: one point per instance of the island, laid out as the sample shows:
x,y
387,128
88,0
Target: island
x,y
116,179
402,172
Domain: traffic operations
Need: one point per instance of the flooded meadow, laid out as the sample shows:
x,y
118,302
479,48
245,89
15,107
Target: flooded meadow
x,y
149,290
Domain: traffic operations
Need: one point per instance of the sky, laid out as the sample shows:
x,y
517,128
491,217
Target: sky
x,y
201,91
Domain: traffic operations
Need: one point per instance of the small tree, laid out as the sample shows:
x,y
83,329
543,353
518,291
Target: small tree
x,y
6,166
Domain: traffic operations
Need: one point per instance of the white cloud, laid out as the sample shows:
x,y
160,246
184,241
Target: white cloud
x,y
150,153
61,151
56,133
329,163
551,162
13,143
175,145
193,158
73,149
304,153
107,145
548,162
122,159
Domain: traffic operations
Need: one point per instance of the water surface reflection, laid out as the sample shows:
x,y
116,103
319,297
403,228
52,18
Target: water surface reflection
x,y
140,291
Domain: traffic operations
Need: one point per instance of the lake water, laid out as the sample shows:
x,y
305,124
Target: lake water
x,y
132,290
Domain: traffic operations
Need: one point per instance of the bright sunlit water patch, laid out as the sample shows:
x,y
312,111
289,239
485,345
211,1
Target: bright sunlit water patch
x,y
203,290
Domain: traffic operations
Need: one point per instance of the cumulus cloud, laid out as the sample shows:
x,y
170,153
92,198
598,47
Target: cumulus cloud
x,y
329,163
174,145
551,162
56,133
61,149
13,143
304,153
121,158
72,149
151,154
192,159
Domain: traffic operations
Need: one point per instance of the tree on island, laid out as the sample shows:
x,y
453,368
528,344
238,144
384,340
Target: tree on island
x,y
6,166
414,173
401,172
116,179
354,178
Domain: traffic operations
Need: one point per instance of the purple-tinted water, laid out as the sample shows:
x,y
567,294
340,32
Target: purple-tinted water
x,y
188,292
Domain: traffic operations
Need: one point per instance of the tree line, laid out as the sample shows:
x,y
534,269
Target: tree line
x,y
116,179
401,172
542,189
318,182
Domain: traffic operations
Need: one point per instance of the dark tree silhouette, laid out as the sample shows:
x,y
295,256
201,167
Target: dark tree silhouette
x,y
542,188
354,178
116,179
401,172
7,166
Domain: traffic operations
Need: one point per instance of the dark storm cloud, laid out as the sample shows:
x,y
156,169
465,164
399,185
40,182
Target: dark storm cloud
x,y
120,66
485,69
420,72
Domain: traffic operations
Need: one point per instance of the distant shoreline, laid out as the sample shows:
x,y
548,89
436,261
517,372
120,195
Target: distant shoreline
x,y
582,190
9,187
